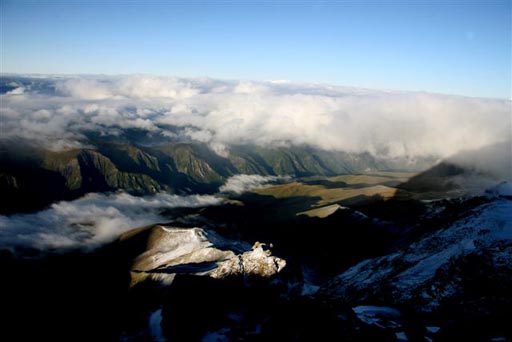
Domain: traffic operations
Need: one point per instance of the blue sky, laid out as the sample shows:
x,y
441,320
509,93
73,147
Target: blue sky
x,y
454,46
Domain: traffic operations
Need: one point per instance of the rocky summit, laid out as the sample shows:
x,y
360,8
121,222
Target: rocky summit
x,y
195,251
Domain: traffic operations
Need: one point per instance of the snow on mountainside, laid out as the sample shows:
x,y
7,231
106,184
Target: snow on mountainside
x,y
439,266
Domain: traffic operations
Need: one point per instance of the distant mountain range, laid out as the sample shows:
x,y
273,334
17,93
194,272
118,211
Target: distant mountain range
x,y
32,177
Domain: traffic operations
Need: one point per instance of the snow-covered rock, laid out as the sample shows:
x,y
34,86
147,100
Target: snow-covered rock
x,y
171,250
433,269
258,261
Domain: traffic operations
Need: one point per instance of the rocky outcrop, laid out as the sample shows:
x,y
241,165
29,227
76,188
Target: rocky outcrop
x,y
258,261
195,251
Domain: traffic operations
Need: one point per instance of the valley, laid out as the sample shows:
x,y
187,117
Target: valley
x,y
32,177
340,256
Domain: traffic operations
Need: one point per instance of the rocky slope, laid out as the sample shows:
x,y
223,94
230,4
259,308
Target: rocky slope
x,y
458,277
413,274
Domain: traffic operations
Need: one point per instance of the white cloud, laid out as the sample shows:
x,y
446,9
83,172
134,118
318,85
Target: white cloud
x,y
132,86
83,89
242,183
222,113
91,220
16,91
96,219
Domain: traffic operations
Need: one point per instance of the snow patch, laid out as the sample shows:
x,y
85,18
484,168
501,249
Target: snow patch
x,y
433,330
216,336
401,336
155,327
381,316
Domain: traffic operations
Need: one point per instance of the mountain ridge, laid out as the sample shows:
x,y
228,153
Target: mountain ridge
x,y
34,177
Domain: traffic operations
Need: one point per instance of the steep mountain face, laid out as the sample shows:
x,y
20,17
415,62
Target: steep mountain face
x,y
33,177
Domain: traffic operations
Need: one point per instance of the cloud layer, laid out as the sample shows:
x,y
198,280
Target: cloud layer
x,y
59,110
95,219
90,221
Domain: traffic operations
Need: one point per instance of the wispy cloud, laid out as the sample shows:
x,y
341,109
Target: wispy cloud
x,y
242,183
90,221
95,219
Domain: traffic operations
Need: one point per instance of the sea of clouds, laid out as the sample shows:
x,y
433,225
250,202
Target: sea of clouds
x,y
57,110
